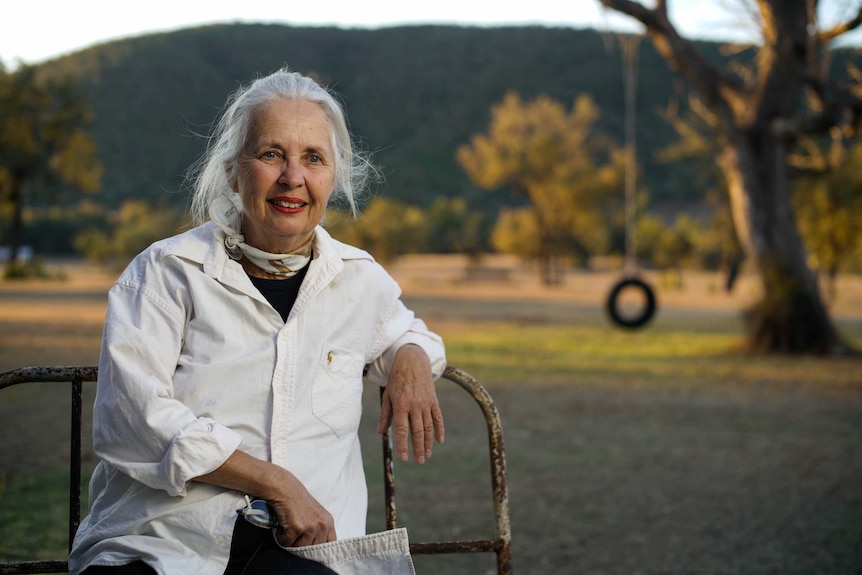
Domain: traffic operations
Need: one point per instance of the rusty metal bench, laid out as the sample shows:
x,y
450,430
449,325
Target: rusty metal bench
x,y
501,544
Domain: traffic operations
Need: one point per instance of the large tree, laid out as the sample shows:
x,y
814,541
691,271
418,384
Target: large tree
x,y
43,141
786,100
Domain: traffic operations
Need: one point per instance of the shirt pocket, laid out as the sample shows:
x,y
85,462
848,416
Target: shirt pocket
x,y
336,395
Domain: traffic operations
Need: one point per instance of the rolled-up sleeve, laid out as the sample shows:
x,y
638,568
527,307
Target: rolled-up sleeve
x,y
139,426
401,327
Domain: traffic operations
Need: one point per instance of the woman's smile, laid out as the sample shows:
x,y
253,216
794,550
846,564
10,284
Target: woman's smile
x,y
288,205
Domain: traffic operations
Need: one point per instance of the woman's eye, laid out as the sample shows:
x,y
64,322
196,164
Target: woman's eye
x,y
314,159
270,155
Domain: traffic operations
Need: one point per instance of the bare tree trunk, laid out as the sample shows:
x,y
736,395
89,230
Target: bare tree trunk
x,y
549,258
550,270
791,316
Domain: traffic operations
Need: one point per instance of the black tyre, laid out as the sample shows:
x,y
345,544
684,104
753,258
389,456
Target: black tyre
x,y
643,316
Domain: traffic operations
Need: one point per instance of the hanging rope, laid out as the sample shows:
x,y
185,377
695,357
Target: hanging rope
x,y
630,44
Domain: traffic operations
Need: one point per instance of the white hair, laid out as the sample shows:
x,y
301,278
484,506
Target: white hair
x,y
213,173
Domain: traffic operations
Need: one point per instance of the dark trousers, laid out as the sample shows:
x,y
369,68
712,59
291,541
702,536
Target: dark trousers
x,y
255,552
252,552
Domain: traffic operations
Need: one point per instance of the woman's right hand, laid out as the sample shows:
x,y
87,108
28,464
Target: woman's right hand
x,y
302,520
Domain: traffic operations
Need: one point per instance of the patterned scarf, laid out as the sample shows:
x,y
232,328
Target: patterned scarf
x,y
228,219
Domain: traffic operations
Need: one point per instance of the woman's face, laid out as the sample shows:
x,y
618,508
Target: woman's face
x,y
286,174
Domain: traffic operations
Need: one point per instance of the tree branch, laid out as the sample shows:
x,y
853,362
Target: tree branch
x,y
842,28
837,105
810,124
717,88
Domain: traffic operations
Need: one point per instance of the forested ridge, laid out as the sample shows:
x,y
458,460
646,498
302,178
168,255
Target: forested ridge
x,y
413,94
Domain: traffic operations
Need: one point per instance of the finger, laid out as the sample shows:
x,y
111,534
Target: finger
x,y
429,432
322,528
385,414
313,536
401,425
417,432
304,539
317,537
287,537
439,428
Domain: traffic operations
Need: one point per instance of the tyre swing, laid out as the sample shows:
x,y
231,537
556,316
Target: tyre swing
x,y
631,282
625,319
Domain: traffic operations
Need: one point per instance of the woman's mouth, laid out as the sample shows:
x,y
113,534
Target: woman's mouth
x,y
288,206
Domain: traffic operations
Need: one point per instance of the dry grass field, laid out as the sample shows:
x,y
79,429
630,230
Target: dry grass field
x,y
660,451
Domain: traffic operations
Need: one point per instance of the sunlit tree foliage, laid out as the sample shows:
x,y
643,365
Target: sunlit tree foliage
x,y
571,176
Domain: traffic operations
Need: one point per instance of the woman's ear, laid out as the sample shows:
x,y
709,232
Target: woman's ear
x,y
230,173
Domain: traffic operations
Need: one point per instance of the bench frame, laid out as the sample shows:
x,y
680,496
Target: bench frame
x,y
501,544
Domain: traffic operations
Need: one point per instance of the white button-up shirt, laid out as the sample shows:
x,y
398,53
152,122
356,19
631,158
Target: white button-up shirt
x,y
196,364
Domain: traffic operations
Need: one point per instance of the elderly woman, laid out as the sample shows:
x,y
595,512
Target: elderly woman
x,y
233,359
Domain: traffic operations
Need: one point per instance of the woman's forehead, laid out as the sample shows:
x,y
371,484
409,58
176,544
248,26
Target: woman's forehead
x,y
285,119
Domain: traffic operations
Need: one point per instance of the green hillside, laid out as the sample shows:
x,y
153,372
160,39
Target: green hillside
x,y
413,94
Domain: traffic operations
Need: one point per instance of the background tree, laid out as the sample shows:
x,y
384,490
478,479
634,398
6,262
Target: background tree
x,y
131,229
453,228
42,142
571,177
760,117
829,212
52,229
387,228
517,232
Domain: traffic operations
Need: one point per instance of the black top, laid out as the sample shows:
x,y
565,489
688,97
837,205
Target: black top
x,y
281,294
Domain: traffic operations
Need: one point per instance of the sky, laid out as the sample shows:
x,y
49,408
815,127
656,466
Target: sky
x,y
34,31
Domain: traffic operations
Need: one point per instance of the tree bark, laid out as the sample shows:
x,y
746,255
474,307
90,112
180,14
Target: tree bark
x,y
790,316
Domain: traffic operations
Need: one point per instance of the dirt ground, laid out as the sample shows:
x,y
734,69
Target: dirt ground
x,y
711,477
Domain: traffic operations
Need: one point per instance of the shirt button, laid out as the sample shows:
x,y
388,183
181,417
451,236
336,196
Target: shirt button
x,y
219,540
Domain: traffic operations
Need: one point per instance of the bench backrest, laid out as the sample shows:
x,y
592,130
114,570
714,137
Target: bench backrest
x,y
501,544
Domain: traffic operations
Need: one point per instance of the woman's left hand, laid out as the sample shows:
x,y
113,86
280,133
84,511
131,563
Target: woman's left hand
x,y
410,404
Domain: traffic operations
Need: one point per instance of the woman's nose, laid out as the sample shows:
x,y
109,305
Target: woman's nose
x,y
291,174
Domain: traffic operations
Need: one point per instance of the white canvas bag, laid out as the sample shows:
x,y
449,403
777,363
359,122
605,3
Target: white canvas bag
x,y
384,553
